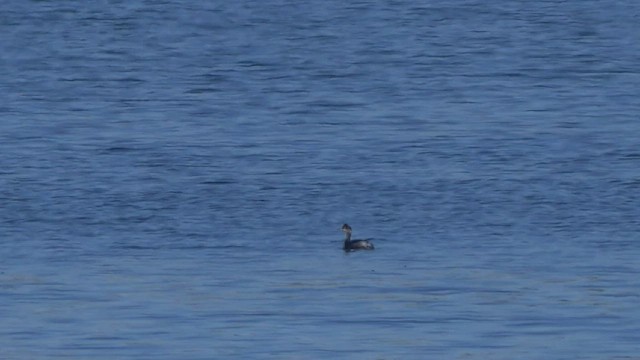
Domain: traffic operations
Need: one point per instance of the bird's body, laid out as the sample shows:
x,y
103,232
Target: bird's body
x,y
350,245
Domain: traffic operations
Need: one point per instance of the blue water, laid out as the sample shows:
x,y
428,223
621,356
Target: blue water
x,y
174,174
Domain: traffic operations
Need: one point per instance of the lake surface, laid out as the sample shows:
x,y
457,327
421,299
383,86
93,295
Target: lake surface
x,y
174,174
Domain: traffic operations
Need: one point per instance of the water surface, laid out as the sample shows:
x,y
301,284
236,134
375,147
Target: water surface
x,y
173,176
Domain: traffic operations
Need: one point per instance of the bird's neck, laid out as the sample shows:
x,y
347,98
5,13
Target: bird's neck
x,y
347,241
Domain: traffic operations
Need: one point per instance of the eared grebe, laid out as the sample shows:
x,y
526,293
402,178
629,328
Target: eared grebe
x,y
354,244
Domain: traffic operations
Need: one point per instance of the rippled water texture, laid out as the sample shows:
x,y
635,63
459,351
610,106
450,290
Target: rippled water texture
x,y
174,174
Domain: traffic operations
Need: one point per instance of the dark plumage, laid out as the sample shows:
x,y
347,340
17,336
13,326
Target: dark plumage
x,y
354,244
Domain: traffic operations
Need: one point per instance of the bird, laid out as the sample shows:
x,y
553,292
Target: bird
x,y
350,245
